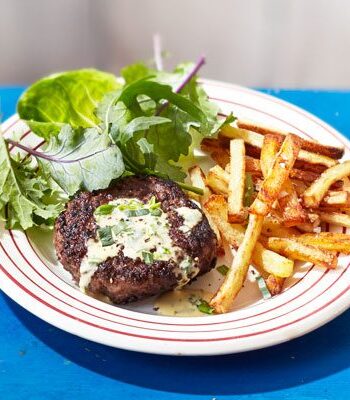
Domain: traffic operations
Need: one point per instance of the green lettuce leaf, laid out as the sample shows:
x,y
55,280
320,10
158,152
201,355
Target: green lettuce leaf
x,y
84,160
65,98
26,196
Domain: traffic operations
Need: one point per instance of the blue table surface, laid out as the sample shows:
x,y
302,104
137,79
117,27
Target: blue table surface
x,y
38,361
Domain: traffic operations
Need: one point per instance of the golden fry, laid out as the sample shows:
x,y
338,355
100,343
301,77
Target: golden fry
x,y
314,147
277,176
224,298
313,196
298,251
339,242
198,179
256,140
335,218
236,211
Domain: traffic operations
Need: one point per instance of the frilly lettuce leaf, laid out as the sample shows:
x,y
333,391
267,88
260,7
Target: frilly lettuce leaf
x,y
65,98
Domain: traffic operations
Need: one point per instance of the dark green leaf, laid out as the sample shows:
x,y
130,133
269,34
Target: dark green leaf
x,y
105,235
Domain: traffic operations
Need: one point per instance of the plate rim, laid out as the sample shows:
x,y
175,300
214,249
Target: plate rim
x,y
337,307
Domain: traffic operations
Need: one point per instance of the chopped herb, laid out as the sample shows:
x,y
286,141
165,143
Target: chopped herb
x,y
137,213
223,269
105,235
94,260
186,265
263,288
147,257
131,205
204,307
152,203
157,212
121,226
249,190
166,250
104,209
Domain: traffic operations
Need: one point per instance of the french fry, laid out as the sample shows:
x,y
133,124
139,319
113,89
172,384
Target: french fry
x,y
273,263
236,211
262,258
256,140
269,151
336,198
217,179
274,284
221,157
277,176
314,147
216,206
306,166
292,210
313,196
314,222
335,218
198,179
224,298
339,242
272,228
291,248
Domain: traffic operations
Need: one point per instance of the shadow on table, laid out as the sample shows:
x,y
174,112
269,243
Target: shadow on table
x,y
303,360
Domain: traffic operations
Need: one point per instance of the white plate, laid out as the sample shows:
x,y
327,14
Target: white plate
x,y
30,274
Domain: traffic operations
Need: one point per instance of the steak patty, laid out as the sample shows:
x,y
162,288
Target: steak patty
x,y
121,278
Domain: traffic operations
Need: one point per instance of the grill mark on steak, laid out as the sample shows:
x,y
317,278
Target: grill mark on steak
x,y
120,278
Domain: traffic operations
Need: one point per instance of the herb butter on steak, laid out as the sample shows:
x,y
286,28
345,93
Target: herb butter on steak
x,y
137,239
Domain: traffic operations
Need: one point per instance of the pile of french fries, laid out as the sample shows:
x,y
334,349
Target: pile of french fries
x,y
298,185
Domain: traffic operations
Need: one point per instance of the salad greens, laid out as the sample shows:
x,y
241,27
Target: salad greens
x,y
65,98
97,128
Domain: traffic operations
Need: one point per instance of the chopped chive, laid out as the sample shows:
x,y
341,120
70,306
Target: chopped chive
x,y
147,257
105,235
190,188
121,226
204,307
263,288
249,190
104,209
223,269
157,212
94,260
137,213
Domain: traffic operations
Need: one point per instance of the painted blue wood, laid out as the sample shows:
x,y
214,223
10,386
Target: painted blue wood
x,y
40,362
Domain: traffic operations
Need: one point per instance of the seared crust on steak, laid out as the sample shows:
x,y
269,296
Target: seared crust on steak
x,y
121,278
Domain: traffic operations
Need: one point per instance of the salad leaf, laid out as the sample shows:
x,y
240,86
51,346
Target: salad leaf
x,y
134,72
85,160
65,98
138,153
26,196
150,143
